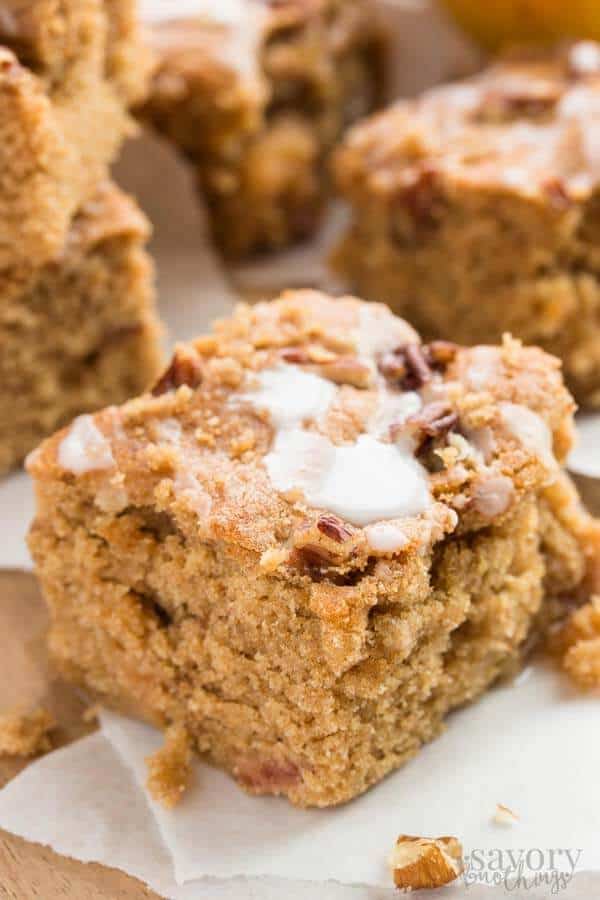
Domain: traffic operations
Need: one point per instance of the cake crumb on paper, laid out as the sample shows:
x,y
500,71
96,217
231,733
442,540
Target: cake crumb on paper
x,y
578,645
25,733
169,768
504,815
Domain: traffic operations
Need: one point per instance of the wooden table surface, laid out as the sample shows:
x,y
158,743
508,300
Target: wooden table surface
x,y
30,871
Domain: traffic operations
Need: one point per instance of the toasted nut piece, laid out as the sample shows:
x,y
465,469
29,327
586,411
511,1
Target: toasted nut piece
x,y
347,370
504,815
425,863
184,368
333,528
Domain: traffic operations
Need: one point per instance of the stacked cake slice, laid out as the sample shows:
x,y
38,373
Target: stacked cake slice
x,y
77,324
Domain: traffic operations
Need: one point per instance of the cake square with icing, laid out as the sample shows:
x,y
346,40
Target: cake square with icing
x,y
475,208
313,539
256,95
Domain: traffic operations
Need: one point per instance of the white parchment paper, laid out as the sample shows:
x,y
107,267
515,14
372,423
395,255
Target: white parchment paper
x,y
526,745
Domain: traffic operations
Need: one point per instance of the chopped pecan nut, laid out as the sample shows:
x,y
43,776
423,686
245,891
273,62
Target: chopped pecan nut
x,y
334,528
267,776
440,354
530,101
297,355
406,365
420,197
425,863
557,193
347,370
183,369
312,558
433,421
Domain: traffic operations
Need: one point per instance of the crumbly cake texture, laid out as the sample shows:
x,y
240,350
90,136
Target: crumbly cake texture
x,y
257,104
312,540
81,331
25,733
68,70
578,645
476,208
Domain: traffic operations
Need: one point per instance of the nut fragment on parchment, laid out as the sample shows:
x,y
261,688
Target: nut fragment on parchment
x,y
420,863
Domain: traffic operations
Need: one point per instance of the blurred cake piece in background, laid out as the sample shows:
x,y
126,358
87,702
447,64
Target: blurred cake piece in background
x,y
68,71
81,331
476,209
256,95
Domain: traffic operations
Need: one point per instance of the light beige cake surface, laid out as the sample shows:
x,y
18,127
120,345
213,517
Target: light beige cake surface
x,y
312,540
475,208
68,71
257,100
80,331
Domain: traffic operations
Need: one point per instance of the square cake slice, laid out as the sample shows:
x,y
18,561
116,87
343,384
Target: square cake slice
x,y
81,331
312,540
476,208
68,72
257,100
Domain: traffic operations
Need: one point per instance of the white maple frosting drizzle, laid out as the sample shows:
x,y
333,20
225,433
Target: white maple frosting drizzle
x,y
292,396
386,537
362,482
393,409
379,331
85,448
484,368
244,19
530,430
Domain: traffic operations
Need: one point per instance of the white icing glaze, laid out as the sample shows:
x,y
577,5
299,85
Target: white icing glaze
x,y
393,409
380,332
530,430
492,496
225,12
85,448
244,19
292,396
361,482
484,368
385,537
584,56
31,458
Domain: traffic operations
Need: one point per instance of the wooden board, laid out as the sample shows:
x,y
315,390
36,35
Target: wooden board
x,y
30,871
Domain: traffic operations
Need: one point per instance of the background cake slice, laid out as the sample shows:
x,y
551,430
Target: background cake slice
x,y
257,101
81,331
476,208
68,72
312,540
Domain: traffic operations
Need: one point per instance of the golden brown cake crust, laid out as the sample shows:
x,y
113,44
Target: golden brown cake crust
x,y
203,575
476,208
